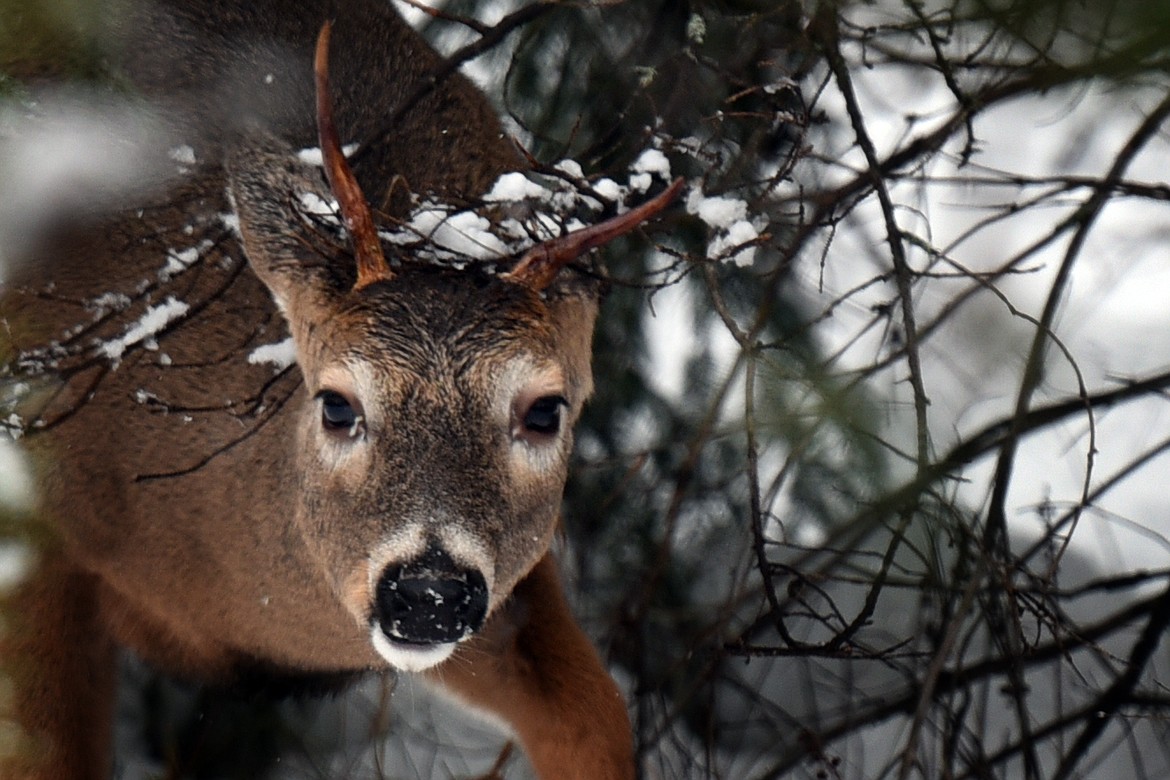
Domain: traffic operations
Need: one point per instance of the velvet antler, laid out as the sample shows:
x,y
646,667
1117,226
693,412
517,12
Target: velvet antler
x,y
355,211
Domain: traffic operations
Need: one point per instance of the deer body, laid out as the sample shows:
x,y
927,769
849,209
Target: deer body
x,y
218,515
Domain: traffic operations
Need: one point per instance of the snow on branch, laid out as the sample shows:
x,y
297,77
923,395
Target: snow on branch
x,y
150,324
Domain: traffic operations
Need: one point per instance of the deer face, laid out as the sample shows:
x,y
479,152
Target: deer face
x,y
433,440
434,435
432,449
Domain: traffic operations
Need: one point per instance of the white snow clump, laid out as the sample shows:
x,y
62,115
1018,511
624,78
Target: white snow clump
x,y
280,355
150,324
727,218
313,156
516,186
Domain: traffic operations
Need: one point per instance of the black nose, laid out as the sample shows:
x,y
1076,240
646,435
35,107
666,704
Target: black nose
x,y
430,600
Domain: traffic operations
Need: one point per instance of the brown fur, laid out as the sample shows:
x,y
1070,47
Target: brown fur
x,y
201,516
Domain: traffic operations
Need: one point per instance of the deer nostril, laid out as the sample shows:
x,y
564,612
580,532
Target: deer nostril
x,y
430,600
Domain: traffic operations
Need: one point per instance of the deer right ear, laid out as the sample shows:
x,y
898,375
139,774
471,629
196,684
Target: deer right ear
x,y
266,186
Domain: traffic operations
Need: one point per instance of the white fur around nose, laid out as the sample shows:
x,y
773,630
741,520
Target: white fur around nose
x,y
409,658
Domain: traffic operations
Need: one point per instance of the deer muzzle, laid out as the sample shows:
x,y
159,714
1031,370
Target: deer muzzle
x,y
430,601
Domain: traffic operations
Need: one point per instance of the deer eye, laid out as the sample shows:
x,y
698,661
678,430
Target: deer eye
x,y
544,415
338,414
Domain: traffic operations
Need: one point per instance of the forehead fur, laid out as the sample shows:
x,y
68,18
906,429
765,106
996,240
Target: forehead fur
x,y
423,316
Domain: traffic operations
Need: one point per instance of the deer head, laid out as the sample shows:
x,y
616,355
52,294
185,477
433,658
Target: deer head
x,y
434,432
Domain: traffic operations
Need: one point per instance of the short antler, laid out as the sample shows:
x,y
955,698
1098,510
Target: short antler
x,y
539,265
355,211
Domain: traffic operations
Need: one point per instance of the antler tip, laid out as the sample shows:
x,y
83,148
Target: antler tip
x,y
540,265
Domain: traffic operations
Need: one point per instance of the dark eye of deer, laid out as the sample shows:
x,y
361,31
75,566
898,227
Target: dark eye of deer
x,y
337,413
544,416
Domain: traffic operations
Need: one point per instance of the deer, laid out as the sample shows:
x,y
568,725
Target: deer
x,y
385,501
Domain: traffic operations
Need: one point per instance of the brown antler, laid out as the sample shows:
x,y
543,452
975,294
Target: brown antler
x,y
539,265
355,211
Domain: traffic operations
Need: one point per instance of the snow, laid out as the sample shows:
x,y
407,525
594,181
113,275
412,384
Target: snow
x,y
716,211
468,234
152,322
652,161
739,233
179,260
462,233
696,29
142,396
316,206
609,189
515,186
13,427
545,207
108,302
281,355
231,221
312,155
571,168
182,154
728,218
640,182
780,85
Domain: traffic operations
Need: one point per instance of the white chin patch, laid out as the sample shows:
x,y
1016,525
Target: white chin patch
x,y
410,658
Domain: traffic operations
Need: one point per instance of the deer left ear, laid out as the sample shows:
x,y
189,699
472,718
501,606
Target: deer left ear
x,y
266,188
266,185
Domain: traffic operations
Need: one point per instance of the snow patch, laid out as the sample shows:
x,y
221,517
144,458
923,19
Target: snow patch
x,y
652,161
570,168
142,396
108,302
313,156
610,190
280,355
728,220
467,233
231,221
12,427
316,206
739,233
717,212
149,325
182,154
515,186
531,209
696,29
461,233
179,260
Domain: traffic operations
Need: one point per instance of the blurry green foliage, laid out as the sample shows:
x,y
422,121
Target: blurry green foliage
x,y
42,39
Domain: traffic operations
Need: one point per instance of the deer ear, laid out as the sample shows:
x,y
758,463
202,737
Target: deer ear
x,y
266,186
